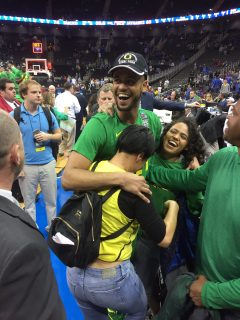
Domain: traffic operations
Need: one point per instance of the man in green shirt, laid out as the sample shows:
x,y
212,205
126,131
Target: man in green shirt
x,y
218,258
99,137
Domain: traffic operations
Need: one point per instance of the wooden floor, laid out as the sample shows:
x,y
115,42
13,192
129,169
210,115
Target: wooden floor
x,y
61,163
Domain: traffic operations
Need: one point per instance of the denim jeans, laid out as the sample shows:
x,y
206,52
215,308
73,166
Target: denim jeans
x,y
117,288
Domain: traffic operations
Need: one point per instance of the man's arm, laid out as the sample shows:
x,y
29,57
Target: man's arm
x,y
16,72
168,105
174,179
76,176
173,105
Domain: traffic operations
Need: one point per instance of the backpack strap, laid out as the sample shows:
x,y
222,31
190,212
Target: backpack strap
x,y
124,228
16,114
105,198
118,232
94,166
109,194
111,191
48,115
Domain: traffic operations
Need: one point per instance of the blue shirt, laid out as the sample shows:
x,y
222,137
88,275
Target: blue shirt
x,y
29,123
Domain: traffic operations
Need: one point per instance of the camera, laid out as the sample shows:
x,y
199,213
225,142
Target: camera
x,y
37,144
34,133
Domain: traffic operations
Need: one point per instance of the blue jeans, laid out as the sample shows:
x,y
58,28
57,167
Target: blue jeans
x,y
116,288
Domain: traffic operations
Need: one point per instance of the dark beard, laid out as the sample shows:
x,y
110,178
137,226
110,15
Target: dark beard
x,y
129,108
134,105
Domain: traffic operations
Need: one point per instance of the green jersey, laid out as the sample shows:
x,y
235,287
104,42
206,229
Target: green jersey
x,y
99,137
160,194
15,75
218,249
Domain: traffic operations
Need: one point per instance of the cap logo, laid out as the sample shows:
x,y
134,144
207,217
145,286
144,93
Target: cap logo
x,y
127,58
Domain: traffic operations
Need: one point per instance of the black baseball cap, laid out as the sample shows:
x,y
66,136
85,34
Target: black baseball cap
x,y
132,61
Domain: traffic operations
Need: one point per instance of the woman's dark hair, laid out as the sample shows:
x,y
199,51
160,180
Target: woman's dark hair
x,y
136,139
91,102
195,146
177,95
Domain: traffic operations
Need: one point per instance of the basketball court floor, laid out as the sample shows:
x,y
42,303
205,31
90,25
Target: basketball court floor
x,y
72,310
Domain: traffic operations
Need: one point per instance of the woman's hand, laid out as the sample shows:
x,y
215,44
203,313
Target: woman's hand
x,y
194,164
171,204
107,108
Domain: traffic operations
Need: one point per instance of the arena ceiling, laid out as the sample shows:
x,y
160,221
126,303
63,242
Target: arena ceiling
x,y
112,9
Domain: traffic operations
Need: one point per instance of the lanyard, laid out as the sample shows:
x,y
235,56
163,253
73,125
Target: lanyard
x,y
30,119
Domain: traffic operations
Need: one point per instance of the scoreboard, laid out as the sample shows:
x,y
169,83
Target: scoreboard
x,y
37,47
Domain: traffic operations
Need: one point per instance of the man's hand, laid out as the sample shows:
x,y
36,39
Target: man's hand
x,y
194,104
42,136
107,108
136,185
196,289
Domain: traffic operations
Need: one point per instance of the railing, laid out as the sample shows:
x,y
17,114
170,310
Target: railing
x,y
171,72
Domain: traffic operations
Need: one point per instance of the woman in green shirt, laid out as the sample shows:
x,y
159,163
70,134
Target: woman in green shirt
x,y
180,143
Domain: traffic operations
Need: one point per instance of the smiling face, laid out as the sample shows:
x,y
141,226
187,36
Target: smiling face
x,y
175,141
232,132
127,88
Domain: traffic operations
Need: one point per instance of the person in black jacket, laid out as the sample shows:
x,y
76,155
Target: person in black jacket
x,y
149,102
27,283
81,116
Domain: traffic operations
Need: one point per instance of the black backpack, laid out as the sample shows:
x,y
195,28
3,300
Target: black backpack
x,y
80,220
47,113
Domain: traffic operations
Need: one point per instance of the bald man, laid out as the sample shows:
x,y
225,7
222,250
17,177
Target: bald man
x,y
27,282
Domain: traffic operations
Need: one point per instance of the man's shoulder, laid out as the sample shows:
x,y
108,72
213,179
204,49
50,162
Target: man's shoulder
x,y
17,110
227,150
1,100
104,118
148,113
18,234
224,153
151,116
60,96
